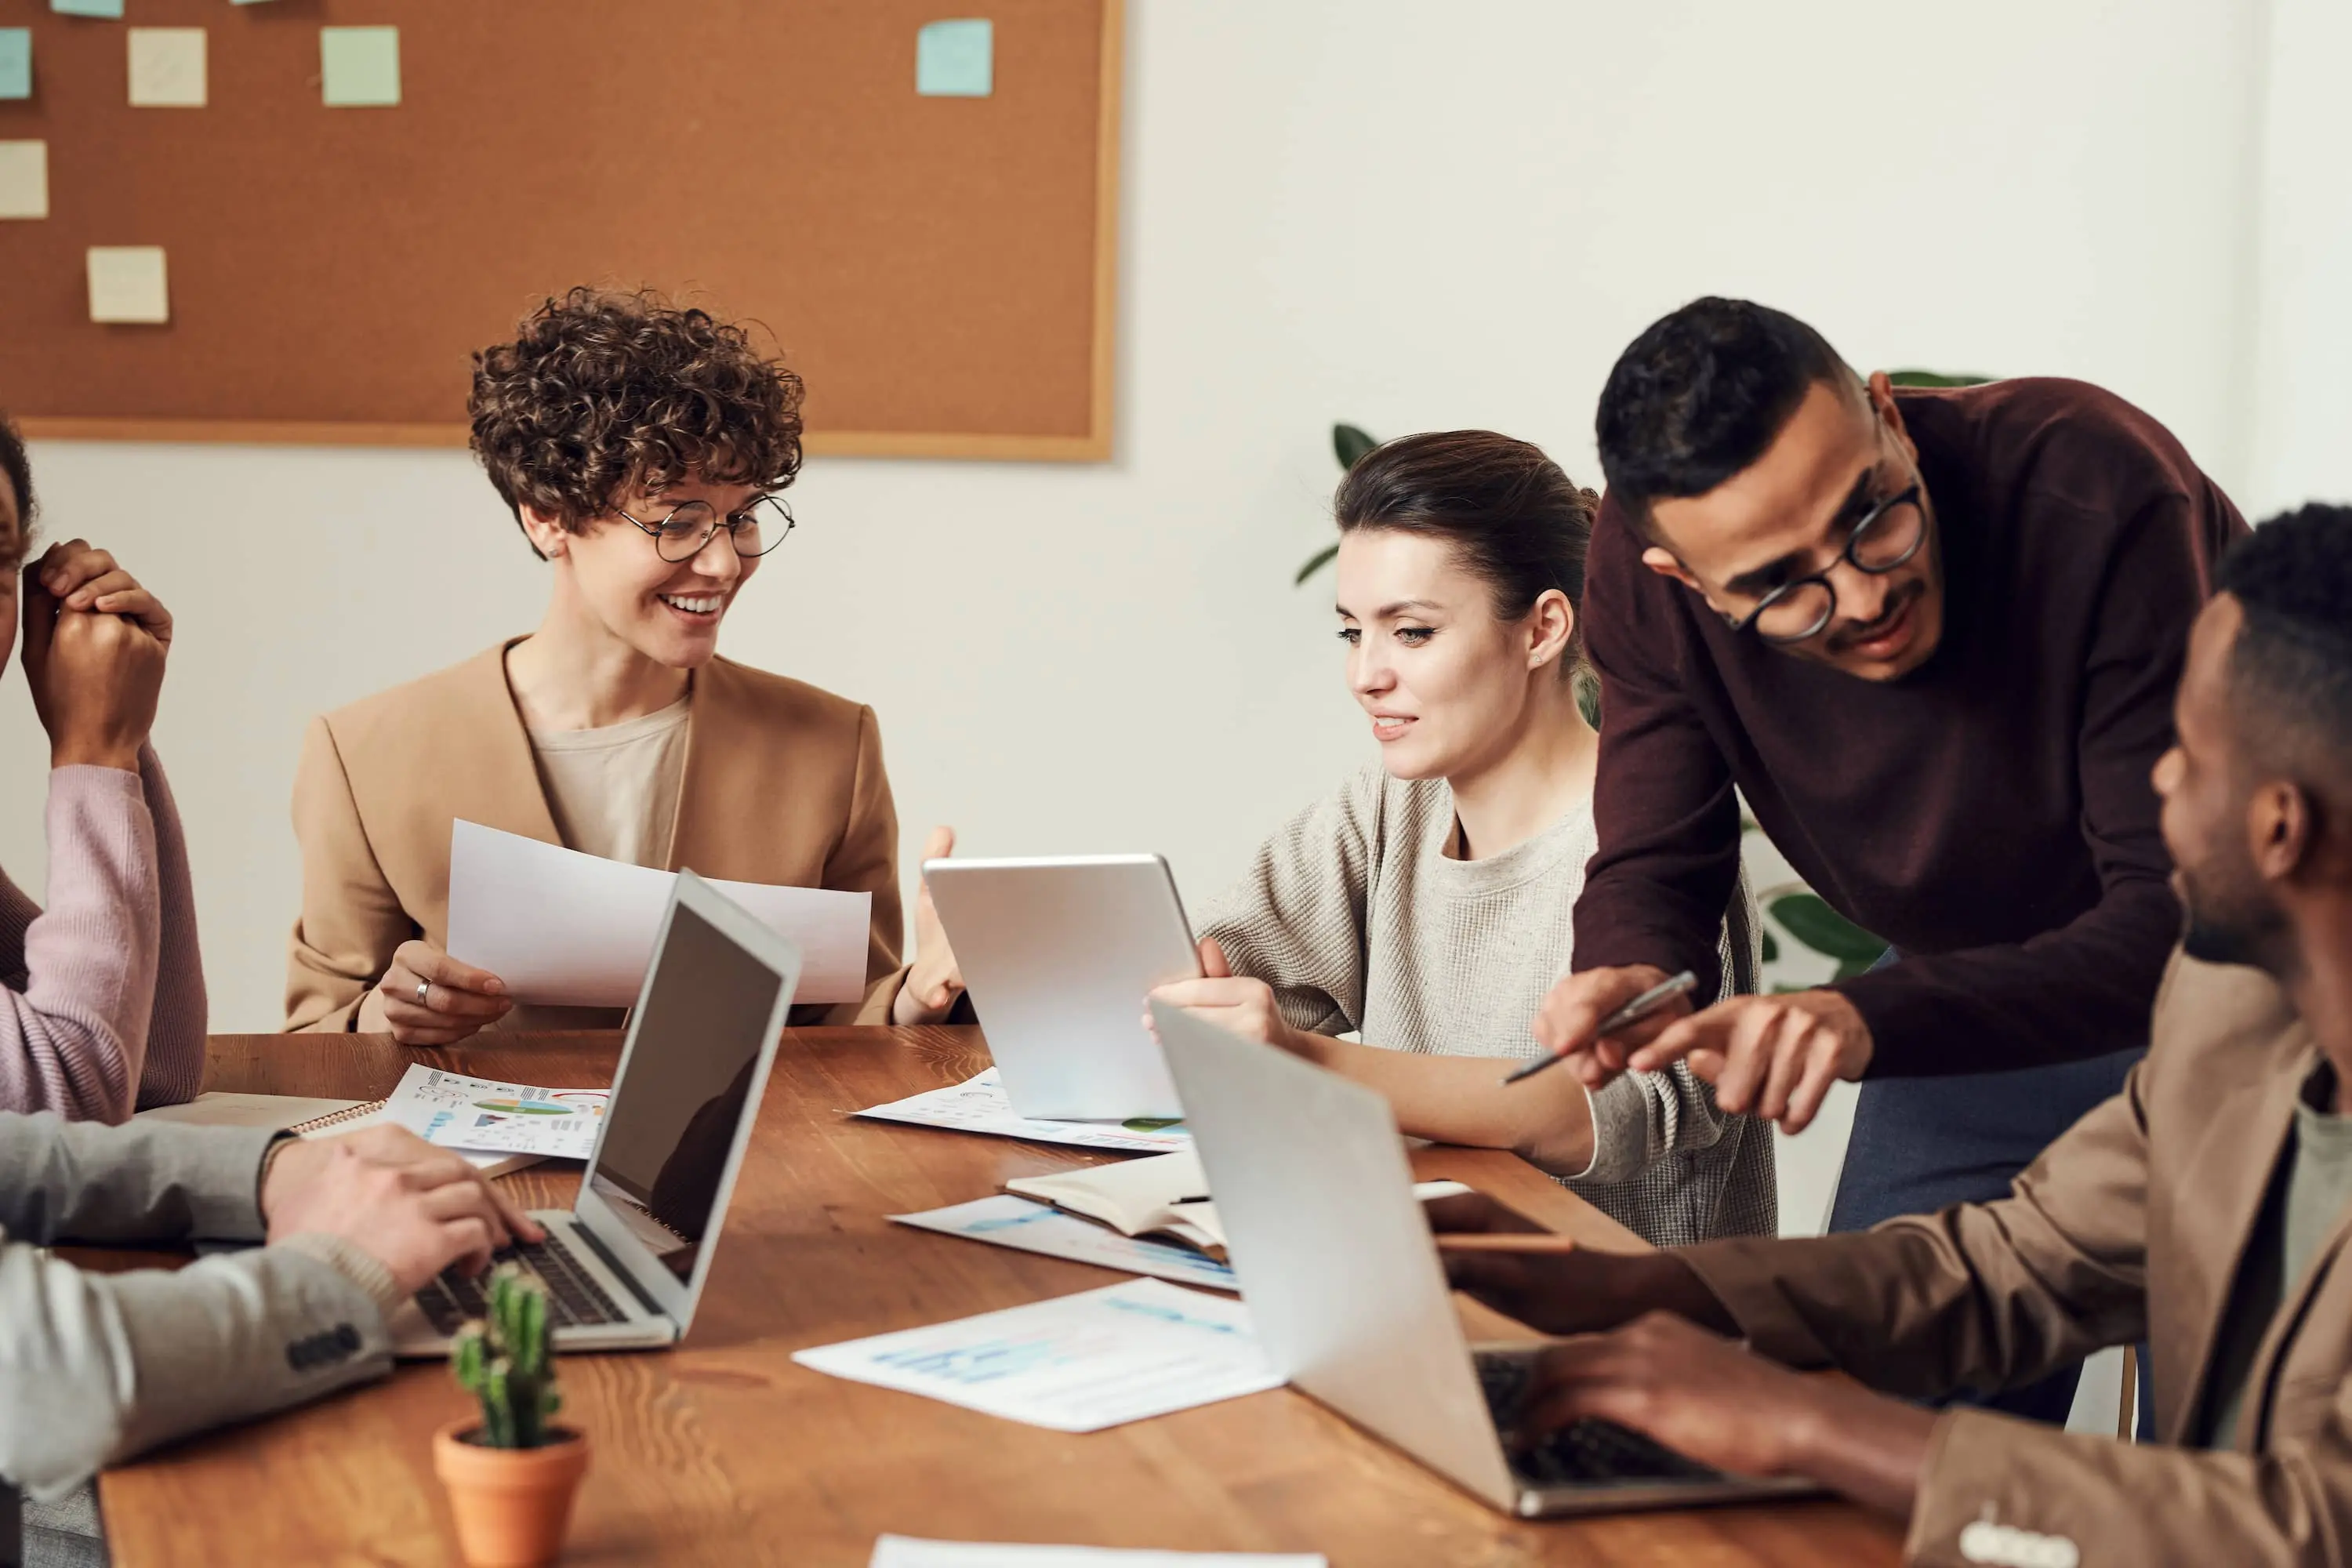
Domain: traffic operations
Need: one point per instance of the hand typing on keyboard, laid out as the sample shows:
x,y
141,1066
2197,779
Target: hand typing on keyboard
x,y
1707,1399
413,1207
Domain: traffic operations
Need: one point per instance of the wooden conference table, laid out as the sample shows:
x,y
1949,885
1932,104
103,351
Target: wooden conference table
x,y
724,1451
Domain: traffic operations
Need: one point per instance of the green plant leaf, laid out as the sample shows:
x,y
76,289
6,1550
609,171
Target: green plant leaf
x,y
1935,378
1350,443
1805,917
1771,947
1315,563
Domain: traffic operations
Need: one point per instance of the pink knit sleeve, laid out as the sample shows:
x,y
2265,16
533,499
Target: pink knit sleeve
x,y
176,1037
73,1039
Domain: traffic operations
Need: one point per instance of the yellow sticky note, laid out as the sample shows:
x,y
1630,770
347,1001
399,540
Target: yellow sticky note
x,y
167,67
359,67
126,284
24,179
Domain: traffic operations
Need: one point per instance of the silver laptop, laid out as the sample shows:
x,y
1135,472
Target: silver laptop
x,y
1347,1296
626,1264
1058,953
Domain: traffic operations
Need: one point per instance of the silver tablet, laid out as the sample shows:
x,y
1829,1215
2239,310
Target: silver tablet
x,y
1059,953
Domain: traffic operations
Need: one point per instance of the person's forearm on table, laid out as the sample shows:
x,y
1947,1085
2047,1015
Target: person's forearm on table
x,y
1546,1120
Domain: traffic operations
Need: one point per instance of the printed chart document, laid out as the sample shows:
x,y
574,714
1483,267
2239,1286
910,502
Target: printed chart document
x,y
1010,1220
978,1104
498,1127
1076,1364
564,928
907,1551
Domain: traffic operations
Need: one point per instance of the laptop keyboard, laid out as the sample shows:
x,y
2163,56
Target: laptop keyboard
x,y
574,1297
1583,1452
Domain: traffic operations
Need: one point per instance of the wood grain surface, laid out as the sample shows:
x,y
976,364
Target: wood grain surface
x,y
723,1451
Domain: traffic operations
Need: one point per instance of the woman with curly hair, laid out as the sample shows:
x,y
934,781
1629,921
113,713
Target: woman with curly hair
x,y
642,450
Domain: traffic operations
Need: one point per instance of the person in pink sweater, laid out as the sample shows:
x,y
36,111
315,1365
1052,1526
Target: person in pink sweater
x,y
103,993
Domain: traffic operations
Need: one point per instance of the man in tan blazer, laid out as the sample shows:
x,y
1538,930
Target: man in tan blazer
x,y
642,450
2207,1207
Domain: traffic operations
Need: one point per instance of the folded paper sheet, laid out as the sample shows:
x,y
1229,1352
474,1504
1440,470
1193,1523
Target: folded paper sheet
x,y
564,928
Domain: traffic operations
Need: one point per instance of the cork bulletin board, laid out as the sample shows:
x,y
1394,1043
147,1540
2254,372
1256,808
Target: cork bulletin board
x,y
940,270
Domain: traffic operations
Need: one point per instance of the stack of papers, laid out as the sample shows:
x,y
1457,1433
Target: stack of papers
x,y
979,1105
906,1552
1076,1364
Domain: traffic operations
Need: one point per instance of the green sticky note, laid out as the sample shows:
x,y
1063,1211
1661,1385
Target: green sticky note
x,y
956,58
359,67
88,9
15,62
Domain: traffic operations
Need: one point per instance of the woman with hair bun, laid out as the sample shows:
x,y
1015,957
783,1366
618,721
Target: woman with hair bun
x,y
1425,905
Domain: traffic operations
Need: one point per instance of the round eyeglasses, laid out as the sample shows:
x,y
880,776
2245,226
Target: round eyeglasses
x,y
756,529
1889,535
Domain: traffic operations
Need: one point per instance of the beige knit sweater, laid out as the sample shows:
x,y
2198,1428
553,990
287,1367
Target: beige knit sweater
x,y
1355,915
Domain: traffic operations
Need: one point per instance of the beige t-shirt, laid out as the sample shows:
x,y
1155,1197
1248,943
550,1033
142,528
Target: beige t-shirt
x,y
613,790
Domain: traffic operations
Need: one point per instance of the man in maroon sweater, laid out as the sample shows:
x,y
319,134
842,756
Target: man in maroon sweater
x,y
1932,636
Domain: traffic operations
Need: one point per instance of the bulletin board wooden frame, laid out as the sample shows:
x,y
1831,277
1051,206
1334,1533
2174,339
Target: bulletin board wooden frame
x,y
1089,420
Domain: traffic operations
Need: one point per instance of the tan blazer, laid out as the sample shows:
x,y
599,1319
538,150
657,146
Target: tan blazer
x,y
2132,1225
783,783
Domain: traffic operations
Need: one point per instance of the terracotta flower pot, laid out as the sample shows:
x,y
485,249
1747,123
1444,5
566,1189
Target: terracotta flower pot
x,y
512,1505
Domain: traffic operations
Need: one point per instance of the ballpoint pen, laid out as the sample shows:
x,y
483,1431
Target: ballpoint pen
x,y
1632,1012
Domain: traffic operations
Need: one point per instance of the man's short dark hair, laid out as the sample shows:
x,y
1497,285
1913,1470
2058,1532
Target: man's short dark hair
x,y
1700,395
2291,670
17,469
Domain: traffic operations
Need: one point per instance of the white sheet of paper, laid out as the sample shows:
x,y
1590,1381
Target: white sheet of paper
x,y
1076,1364
1010,1220
908,1552
167,67
127,284
24,179
570,929
978,1104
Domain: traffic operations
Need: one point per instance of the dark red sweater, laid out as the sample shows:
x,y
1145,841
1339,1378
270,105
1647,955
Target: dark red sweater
x,y
1990,814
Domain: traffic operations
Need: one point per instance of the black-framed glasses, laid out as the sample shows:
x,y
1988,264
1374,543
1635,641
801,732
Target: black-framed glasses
x,y
756,529
1889,535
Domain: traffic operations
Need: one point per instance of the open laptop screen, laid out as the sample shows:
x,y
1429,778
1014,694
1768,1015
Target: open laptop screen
x,y
672,1120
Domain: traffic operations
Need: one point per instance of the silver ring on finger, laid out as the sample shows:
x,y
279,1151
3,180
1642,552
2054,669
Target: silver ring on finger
x,y
425,990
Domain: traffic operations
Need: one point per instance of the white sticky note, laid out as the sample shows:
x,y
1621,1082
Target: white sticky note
x,y
24,179
126,284
359,67
167,67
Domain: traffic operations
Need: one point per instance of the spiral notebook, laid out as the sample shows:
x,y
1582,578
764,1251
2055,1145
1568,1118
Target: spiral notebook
x,y
311,1115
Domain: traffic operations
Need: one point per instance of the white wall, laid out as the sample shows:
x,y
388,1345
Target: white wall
x,y
2302,447
1402,214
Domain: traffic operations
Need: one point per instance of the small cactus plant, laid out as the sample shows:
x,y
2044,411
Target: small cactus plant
x,y
506,1363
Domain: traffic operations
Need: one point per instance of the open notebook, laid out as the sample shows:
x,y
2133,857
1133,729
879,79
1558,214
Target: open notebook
x,y
1166,1196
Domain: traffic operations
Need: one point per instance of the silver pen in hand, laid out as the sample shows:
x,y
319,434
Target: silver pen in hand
x,y
1632,1012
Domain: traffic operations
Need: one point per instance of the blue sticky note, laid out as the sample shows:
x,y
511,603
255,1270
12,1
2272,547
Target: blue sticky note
x,y
88,9
15,62
957,59
359,67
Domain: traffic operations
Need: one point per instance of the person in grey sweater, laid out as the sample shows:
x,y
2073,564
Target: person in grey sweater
x,y
1426,905
97,1367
